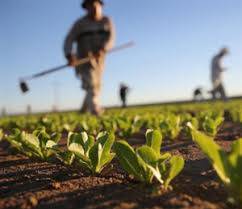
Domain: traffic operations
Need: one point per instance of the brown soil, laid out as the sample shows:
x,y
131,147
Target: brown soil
x,y
28,183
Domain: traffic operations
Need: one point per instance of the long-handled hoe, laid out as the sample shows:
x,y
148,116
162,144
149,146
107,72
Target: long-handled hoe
x,y
24,86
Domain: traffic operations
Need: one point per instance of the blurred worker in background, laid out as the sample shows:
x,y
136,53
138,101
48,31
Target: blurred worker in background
x,y
94,36
123,91
4,112
29,110
216,75
198,94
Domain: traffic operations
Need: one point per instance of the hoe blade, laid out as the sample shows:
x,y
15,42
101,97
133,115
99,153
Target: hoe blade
x,y
24,87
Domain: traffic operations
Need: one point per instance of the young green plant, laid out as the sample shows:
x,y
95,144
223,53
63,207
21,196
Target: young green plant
x,y
146,162
92,155
210,122
227,165
38,144
170,126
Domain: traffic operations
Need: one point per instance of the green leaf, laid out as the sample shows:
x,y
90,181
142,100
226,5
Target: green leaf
x,y
154,140
107,144
148,154
147,157
66,157
1,134
100,153
170,126
42,136
89,144
95,156
164,156
227,166
15,140
85,141
73,138
15,143
55,137
235,160
85,163
127,158
211,123
77,149
84,137
236,152
165,129
49,151
50,144
176,164
32,143
214,153
156,172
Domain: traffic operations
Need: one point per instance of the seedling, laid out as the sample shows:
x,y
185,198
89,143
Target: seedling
x,y
147,162
92,155
39,144
170,126
128,126
236,115
210,122
227,165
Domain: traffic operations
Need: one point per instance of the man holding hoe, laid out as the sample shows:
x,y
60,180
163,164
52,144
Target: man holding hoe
x,y
94,36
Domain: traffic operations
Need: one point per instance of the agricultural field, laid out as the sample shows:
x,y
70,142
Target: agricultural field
x,y
163,156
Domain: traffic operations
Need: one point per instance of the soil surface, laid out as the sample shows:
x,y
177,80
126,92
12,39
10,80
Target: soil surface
x,y
28,183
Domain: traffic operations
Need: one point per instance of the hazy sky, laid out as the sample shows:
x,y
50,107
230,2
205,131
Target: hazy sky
x,y
175,40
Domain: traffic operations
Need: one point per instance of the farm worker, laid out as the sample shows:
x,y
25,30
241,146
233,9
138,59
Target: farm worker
x,y
216,74
123,91
198,94
94,36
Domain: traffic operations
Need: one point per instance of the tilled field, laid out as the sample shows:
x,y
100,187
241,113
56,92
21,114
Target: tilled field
x,y
28,183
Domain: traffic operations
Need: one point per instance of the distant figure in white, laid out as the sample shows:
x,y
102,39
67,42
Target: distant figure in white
x,y
218,91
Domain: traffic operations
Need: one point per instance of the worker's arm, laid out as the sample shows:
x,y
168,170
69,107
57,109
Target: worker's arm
x,y
109,42
70,39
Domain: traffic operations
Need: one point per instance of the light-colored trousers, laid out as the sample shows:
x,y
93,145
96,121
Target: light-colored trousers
x,y
91,78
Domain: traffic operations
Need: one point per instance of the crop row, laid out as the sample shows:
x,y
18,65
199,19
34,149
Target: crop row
x,y
125,125
93,143
145,163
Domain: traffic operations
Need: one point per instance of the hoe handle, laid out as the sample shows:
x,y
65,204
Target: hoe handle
x,y
55,69
79,62
49,71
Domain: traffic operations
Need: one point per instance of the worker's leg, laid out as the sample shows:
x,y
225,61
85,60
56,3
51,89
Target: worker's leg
x,y
97,110
215,91
91,82
94,91
89,100
96,94
84,75
222,92
84,107
92,102
124,102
